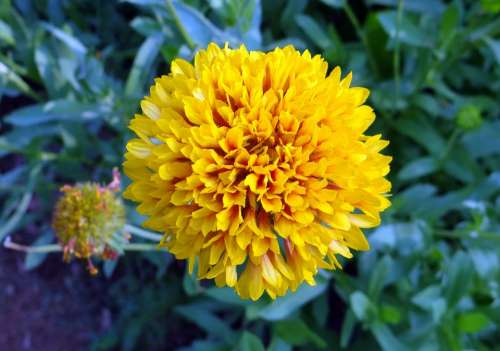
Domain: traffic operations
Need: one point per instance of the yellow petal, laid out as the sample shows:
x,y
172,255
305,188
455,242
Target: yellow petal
x,y
180,197
139,148
216,251
172,170
231,276
304,217
294,200
256,284
269,273
271,204
150,109
363,221
260,246
340,248
243,238
355,239
234,139
283,267
340,220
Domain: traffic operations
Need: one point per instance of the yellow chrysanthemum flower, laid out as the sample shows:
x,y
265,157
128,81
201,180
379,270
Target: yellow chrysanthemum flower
x,y
257,164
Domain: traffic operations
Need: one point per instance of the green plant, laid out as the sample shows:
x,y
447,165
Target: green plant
x,y
70,80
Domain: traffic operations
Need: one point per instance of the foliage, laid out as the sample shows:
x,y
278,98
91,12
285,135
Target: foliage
x,y
71,76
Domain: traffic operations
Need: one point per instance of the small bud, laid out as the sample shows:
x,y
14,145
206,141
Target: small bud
x,y
469,117
491,6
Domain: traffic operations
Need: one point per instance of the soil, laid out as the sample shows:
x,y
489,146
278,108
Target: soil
x,y
51,308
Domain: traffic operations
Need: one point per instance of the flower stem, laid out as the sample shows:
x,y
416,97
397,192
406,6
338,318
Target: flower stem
x,y
396,58
141,233
180,26
9,244
359,31
143,247
449,145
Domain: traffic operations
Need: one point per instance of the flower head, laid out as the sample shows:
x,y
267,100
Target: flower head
x,y
256,164
85,219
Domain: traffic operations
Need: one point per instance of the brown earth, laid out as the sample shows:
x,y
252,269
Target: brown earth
x,y
55,307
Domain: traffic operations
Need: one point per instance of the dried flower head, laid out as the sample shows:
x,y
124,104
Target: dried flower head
x,y
85,219
256,164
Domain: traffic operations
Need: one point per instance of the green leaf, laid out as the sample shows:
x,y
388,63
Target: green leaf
x,y
432,7
437,206
6,34
47,69
410,201
146,3
320,309
19,138
408,33
204,345
462,166
8,226
56,110
190,284
207,321
250,342
483,142
459,277
376,41
449,22
489,28
5,8
199,28
109,267
284,306
297,333
362,307
73,43
430,299
418,168
143,62
252,14
226,295
378,277
472,322
407,237
8,179
278,344
7,75
145,26
487,187
347,328
292,9
425,296
494,45
336,4
386,339
422,132
313,31
390,314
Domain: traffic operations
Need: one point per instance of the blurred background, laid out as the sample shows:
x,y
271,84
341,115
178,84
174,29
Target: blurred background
x,y
72,73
